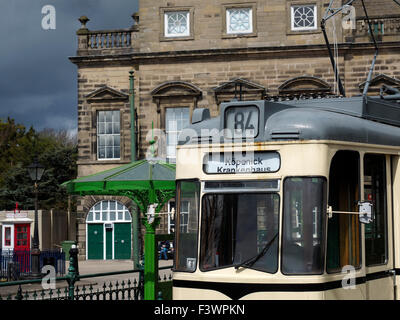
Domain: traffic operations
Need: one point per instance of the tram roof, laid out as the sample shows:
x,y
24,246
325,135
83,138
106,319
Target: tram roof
x,y
371,120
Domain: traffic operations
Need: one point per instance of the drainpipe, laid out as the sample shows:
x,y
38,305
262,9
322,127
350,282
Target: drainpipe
x,y
132,103
135,215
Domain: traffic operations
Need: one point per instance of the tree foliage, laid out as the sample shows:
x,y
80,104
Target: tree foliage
x,y
55,150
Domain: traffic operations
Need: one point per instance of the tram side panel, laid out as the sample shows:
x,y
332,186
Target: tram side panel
x,y
396,222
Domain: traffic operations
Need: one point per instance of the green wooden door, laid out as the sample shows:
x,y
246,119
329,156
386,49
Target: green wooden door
x,y
95,241
108,244
122,240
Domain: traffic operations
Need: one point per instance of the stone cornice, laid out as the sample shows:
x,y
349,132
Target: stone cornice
x,y
209,54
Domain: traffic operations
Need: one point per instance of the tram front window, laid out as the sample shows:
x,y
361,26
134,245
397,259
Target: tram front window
x,y
238,226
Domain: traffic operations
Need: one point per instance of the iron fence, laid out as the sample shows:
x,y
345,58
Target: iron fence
x,y
129,289
16,264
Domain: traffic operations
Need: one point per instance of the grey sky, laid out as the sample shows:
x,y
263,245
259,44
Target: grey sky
x,y
38,84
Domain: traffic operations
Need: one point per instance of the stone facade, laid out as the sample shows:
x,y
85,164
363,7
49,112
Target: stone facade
x,y
203,68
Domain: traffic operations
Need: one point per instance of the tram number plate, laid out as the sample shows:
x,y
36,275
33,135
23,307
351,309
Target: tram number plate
x,y
241,122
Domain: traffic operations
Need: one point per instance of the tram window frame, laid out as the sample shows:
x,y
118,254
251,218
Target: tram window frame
x,y
337,220
379,215
275,240
322,226
177,246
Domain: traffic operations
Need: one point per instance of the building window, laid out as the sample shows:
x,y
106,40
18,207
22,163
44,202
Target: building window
x,y
7,237
108,211
304,17
177,24
108,135
176,119
239,20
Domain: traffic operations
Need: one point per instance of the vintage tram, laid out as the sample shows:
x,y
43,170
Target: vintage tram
x,y
273,197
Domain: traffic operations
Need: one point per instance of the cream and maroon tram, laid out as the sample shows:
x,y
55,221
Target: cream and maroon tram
x,y
289,200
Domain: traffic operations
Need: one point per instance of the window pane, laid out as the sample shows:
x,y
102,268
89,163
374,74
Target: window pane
x,y
104,216
109,128
120,215
115,116
127,216
375,191
116,152
237,227
176,119
304,221
186,233
102,116
116,141
109,152
112,216
177,23
90,216
116,128
304,17
102,127
239,20
102,153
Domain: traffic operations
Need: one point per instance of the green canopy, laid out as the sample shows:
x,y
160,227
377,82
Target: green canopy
x,y
144,181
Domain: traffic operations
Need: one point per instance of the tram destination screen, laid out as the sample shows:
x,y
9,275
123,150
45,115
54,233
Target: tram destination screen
x,y
250,162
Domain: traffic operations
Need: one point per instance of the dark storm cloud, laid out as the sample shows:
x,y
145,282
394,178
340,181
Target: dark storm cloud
x,y
38,83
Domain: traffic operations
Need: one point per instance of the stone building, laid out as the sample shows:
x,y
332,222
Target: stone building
x,y
187,54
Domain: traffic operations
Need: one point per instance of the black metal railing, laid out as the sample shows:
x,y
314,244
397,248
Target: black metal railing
x,y
16,264
130,289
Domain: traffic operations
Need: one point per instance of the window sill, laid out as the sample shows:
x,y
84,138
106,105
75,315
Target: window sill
x,y
239,35
102,161
303,32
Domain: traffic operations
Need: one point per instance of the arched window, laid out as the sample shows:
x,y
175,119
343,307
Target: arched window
x,y
108,211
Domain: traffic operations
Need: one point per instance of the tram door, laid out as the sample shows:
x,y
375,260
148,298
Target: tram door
x,y
378,248
344,230
396,221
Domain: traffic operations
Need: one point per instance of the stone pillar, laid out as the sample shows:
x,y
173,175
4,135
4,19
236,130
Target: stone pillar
x,y
83,36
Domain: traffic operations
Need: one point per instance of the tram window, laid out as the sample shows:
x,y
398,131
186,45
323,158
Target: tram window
x,y
186,225
303,225
344,229
238,226
375,191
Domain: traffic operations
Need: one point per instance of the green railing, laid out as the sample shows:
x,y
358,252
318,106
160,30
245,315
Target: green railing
x,y
124,290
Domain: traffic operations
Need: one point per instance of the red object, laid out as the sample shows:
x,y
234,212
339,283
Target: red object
x,y
370,197
22,236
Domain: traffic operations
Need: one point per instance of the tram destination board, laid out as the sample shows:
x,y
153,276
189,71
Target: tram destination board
x,y
249,162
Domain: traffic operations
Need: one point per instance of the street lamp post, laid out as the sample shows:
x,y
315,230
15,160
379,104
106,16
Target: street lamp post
x,y
36,171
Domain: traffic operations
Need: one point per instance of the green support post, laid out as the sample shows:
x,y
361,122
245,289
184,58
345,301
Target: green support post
x,y
72,271
150,260
135,217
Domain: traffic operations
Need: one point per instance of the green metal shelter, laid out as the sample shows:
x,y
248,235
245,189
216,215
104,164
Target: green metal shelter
x,y
145,182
